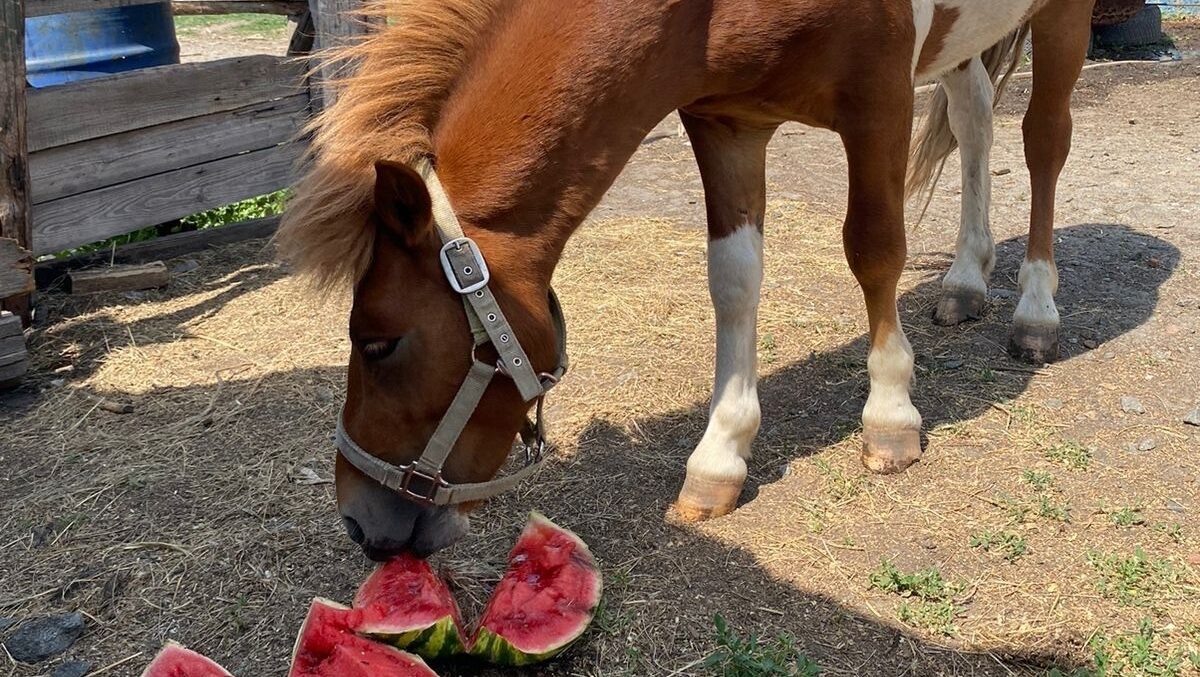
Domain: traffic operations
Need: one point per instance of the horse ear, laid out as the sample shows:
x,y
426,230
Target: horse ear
x,y
402,202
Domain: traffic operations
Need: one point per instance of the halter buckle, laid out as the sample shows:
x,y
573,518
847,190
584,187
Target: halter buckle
x,y
464,266
426,494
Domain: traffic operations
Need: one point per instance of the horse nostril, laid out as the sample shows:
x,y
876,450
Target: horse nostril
x,y
356,532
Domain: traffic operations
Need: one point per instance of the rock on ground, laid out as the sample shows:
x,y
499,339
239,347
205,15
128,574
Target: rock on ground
x,y
42,638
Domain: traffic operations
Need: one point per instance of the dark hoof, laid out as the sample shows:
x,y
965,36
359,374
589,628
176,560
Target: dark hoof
x,y
890,451
703,499
1035,345
958,306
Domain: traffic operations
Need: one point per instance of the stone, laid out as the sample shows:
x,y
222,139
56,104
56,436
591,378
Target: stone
x,y
1053,404
6,623
1132,405
46,637
184,266
72,669
1193,417
1175,506
953,363
1147,444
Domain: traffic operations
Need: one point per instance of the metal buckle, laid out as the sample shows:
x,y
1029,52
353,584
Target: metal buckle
x,y
429,496
457,244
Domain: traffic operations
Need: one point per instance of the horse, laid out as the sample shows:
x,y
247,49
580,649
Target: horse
x,y
468,139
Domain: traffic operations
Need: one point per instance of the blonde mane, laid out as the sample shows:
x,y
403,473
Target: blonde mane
x,y
399,79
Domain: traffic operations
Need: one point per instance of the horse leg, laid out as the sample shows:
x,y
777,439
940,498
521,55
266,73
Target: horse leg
x,y
876,138
970,94
1061,33
732,161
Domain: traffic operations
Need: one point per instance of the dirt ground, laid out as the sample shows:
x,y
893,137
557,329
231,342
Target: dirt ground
x,y
1063,528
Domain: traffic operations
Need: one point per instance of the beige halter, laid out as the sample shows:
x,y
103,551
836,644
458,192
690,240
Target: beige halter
x,y
467,272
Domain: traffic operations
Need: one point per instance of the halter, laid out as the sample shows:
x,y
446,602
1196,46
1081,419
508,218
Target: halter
x,y
421,481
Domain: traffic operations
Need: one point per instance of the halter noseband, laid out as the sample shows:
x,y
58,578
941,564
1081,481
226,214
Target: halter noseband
x,y
421,481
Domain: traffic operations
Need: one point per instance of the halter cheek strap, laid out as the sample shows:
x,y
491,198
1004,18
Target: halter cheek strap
x,y
467,272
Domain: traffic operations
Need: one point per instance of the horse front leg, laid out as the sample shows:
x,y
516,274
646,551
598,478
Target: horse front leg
x,y
732,161
970,93
875,133
1061,33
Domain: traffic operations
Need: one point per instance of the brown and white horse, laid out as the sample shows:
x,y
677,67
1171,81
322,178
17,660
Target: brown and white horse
x,y
530,109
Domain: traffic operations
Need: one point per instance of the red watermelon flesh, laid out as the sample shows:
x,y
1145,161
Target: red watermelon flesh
x,y
177,661
406,604
545,601
328,647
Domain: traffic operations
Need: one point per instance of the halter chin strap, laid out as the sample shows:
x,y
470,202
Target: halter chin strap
x,y
467,273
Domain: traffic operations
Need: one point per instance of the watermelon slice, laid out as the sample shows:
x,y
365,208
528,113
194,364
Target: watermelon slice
x,y
545,601
328,647
177,661
406,604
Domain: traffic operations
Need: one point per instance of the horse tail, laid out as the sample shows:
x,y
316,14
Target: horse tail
x,y
935,141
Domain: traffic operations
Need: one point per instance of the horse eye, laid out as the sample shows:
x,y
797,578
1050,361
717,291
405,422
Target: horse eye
x,y
377,350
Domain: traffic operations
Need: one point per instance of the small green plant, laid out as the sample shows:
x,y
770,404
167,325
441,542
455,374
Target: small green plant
x,y
1127,517
755,656
987,375
1047,508
929,599
1134,580
1172,531
1073,455
1017,513
838,484
1008,543
766,349
1142,652
1038,479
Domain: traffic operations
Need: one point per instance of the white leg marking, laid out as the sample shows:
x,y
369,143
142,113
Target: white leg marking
x,y
734,279
890,366
970,95
1039,282
923,11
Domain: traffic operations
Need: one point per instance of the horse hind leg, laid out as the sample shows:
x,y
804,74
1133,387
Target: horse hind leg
x,y
970,94
1061,33
732,161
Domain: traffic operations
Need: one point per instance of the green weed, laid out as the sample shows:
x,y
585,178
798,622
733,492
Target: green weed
x,y
755,656
929,599
1038,479
1134,580
1047,508
1142,652
1073,455
1127,517
1008,543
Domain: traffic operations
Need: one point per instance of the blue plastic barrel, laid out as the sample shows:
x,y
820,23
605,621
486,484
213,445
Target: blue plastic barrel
x,y
79,45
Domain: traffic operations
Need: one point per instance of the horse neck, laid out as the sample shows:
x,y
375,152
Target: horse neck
x,y
557,101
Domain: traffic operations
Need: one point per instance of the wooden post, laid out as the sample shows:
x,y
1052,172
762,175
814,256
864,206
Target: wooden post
x,y
15,222
337,21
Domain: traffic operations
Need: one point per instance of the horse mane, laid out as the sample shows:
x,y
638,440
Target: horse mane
x,y
390,87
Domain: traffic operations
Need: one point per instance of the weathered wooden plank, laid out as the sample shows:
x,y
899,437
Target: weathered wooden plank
x,y
109,160
337,21
193,7
12,349
48,273
98,214
44,7
14,168
16,269
153,96
120,278
10,325
304,35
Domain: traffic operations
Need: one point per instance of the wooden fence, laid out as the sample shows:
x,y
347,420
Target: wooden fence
x,y
88,160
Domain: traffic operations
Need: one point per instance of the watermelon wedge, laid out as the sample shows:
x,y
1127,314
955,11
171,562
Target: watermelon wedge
x,y
328,647
406,604
174,660
545,600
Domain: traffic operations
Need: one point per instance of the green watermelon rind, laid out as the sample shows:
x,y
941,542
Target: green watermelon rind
x,y
441,639
493,648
